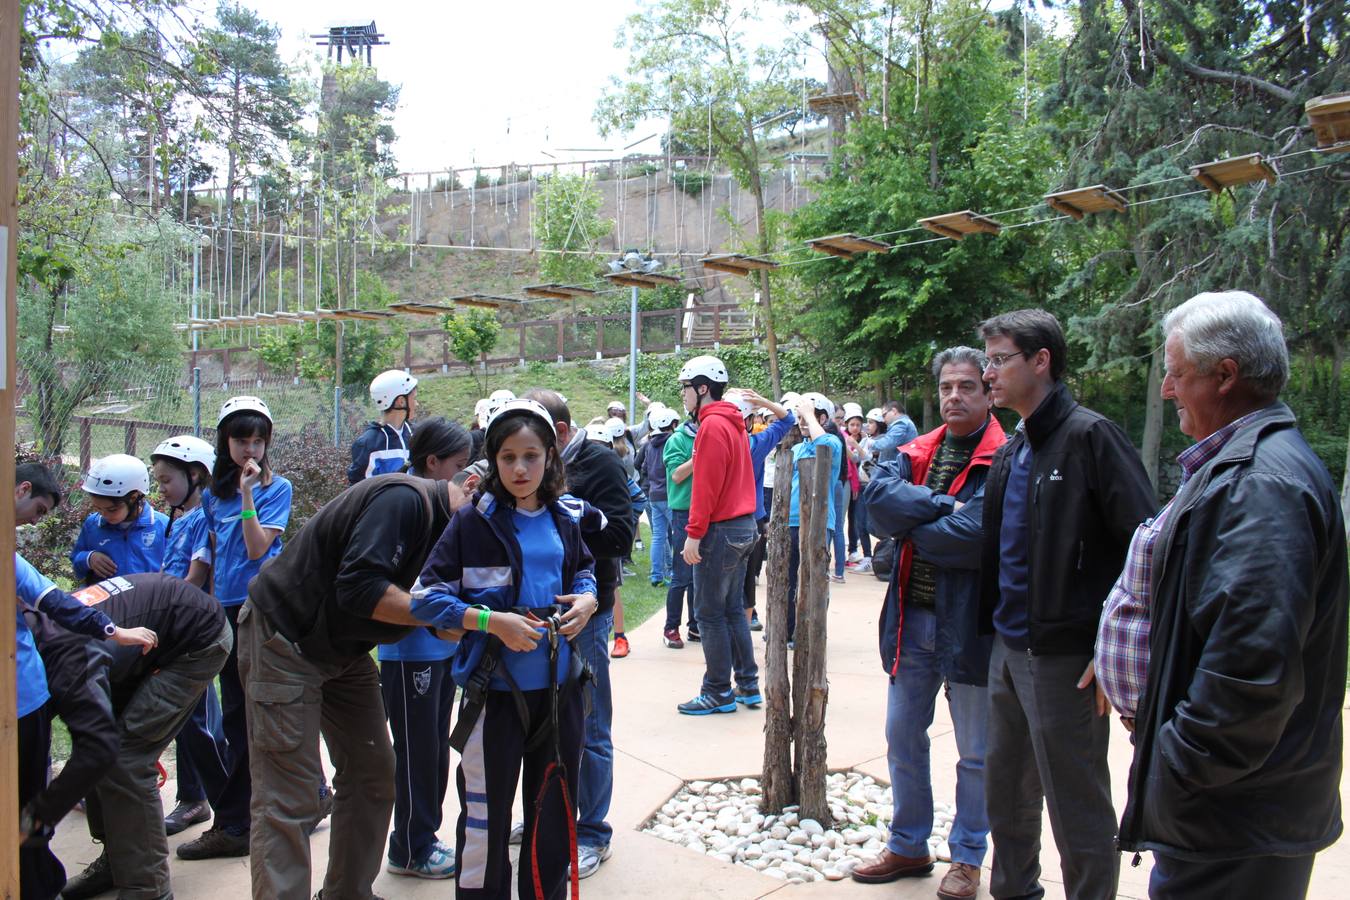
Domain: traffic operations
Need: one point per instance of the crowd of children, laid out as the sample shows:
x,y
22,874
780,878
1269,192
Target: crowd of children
x,y
512,584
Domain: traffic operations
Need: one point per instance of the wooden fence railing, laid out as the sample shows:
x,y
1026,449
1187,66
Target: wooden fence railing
x,y
132,430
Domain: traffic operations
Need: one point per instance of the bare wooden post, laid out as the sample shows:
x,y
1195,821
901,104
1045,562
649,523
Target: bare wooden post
x,y
776,780
10,19
86,443
129,440
810,686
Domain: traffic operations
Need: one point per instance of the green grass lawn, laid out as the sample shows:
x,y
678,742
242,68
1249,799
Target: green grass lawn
x,y
582,383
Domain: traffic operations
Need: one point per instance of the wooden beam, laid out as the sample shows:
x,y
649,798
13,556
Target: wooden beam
x,y
1079,202
959,224
1329,116
554,291
737,263
1223,173
642,279
10,21
847,246
483,301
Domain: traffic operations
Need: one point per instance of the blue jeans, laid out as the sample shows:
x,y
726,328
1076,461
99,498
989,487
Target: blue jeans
x,y
596,778
681,575
909,712
719,604
837,537
659,514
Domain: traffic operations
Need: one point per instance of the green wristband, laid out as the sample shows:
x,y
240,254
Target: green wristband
x,y
483,617
248,514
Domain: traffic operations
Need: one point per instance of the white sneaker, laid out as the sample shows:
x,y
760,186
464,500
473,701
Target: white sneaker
x,y
437,865
589,860
854,557
865,565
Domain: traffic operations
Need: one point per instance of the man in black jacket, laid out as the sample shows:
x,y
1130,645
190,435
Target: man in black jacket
x,y
313,614
1234,601
1062,499
595,474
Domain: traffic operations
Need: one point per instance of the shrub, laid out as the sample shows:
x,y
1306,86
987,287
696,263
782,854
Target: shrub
x,y
315,468
47,544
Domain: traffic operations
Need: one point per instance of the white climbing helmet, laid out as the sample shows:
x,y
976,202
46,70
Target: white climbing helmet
x,y
116,476
653,407
242,404
188,449
389,385
501,396
709,367
852,411
518,407
616,427
662,418
599,431
482,412
789,400
819,402
742,404
874,415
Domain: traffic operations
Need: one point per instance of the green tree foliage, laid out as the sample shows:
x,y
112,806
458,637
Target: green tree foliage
x,y
566,211
473,333
694,62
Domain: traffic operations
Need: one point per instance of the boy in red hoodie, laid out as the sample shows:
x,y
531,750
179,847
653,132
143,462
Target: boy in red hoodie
x,y
721,534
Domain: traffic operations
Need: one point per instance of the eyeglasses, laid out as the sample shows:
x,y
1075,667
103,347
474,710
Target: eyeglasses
x,y
999,360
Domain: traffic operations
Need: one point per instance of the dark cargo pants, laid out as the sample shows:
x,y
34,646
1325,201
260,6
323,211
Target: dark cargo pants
x,y
290,701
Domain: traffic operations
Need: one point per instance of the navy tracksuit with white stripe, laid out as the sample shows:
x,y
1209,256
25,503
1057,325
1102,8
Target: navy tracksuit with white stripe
x,y
418,698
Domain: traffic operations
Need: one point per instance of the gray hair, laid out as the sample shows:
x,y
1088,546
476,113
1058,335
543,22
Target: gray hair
x,y
960,356
1233,325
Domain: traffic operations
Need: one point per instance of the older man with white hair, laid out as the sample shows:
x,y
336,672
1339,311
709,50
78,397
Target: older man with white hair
x,y
1222,644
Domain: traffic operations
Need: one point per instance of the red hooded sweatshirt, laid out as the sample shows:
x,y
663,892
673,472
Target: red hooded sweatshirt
x,y
724,479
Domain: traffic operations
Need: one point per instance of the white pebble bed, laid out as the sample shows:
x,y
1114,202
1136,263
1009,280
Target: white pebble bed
x,y
723,820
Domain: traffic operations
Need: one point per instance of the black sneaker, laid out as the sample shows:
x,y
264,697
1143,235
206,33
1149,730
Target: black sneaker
x,y
215,843
694,638
94,880
706,704
186,814
755,624
751,698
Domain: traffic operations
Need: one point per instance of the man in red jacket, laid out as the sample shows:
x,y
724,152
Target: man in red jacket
x,y
721,534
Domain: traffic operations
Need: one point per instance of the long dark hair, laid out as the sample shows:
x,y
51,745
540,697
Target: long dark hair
x,y
438,437
196,474
831,428
553,484
243,424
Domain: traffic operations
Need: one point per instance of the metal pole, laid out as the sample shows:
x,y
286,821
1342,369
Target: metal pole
x,y
196,286
196,401
632,357
337,390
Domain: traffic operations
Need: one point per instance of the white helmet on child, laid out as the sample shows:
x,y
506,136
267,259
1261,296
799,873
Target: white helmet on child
x,y
742,404
501,396
789,400
820,403
874,415
188,449
243,404
482,411
116,476
662,418
516,407
852,411
709,367
599,431
388,386
616,427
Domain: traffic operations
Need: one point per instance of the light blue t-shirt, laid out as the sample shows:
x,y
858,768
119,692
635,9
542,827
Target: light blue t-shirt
x,y
29,586
233,570
541,548
807,450
186,542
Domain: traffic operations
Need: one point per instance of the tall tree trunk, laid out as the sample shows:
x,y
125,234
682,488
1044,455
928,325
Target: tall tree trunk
x,y
929,417
810,688
1154,408
776,779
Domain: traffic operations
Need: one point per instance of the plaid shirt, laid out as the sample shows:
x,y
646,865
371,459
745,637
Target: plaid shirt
x,y
1122,636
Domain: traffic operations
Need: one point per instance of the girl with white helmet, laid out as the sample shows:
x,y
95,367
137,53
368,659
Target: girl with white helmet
x,y
124,534
383,446
859,541
513,572
181,466
247,507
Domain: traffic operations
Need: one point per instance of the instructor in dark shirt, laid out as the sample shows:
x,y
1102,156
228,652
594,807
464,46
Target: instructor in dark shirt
x,y
313,615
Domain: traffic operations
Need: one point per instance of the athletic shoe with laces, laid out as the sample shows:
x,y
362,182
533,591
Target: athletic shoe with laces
x,y
706,704
854,557
694,638
755,623
436,865
620,647
672,638
751,699
590,858
214,844
837,579
94,880
186,814
864,566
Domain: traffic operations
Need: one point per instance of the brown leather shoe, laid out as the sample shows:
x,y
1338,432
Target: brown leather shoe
x,y
892,866
961,882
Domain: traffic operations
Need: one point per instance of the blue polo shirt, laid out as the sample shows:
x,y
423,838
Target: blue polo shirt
x,y
541,548
233,570
186,541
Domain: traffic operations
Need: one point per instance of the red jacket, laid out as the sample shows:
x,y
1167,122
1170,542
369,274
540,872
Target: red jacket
x,y
724,478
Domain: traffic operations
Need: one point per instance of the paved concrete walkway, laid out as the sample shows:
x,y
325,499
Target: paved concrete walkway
x,y
656,750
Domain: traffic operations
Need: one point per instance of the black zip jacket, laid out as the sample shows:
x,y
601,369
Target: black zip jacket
x,y
1238,735
595,474
1089,492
